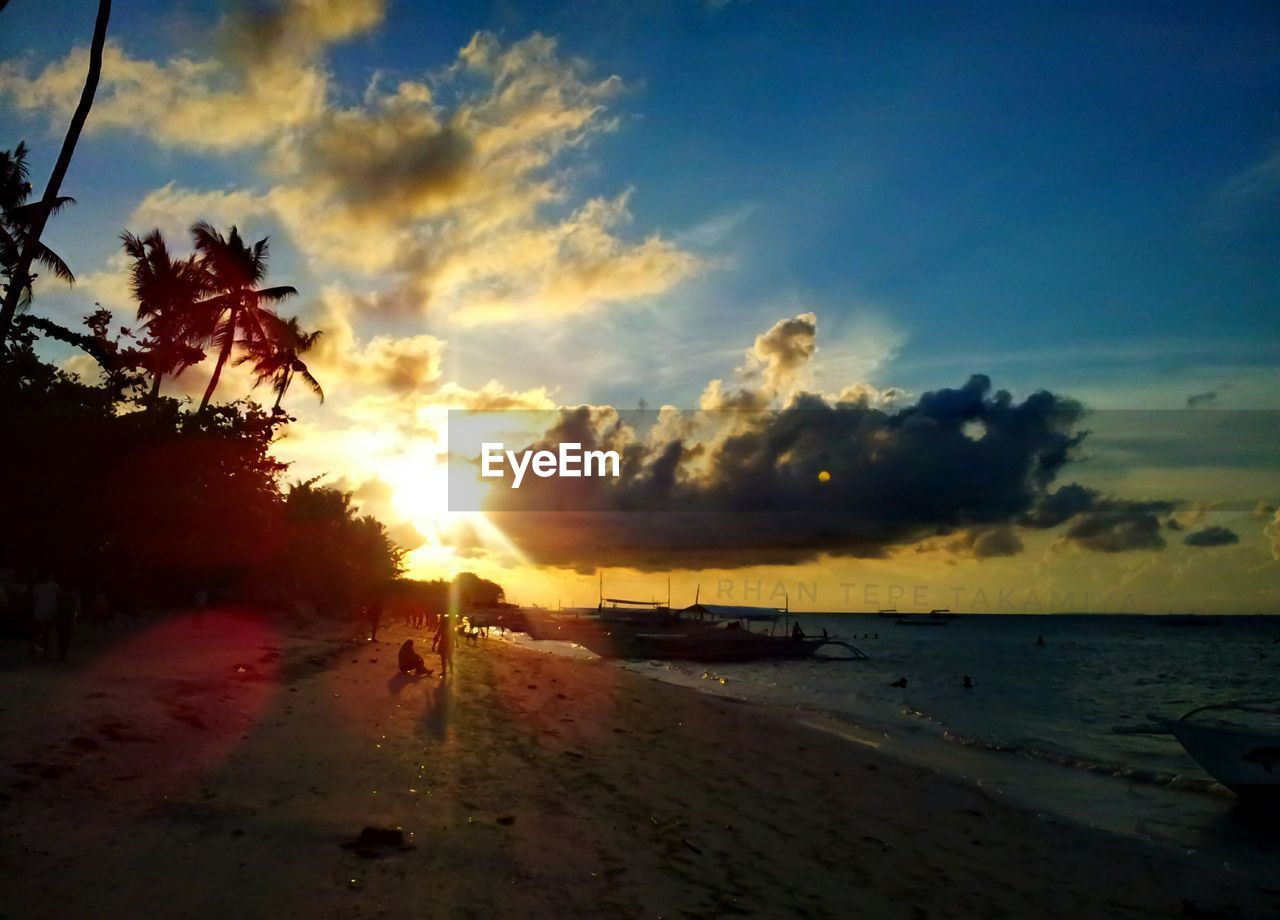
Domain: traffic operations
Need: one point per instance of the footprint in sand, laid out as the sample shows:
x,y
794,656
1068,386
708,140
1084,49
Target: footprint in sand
x,y
122,731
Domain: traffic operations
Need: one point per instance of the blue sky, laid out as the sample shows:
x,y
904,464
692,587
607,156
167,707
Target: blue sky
x,y
1081,198
989,182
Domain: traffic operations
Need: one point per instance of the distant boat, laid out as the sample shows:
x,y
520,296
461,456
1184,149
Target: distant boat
x,y
1189,620
921,621
939,616
1245,759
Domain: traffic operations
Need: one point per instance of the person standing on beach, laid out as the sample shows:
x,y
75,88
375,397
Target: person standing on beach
x,y
374,612
443,641
68,611
44,610
99,610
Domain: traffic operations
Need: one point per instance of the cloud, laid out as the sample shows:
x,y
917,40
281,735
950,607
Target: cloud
x,y
776,364
1116,531
1000,541
172,210
1212,536
785,349
451,192
974,543
1195,400
268,78
726,489
1102,523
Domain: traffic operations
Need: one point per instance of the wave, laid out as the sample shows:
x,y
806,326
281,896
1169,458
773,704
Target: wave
x,y
1090,764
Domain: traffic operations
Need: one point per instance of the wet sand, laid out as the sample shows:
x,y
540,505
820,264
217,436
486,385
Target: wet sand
x,y
212,768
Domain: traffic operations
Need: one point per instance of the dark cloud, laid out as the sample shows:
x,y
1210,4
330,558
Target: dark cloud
x,y
1116,531
1195,400
1212,536
1103,523
752,494
1002,541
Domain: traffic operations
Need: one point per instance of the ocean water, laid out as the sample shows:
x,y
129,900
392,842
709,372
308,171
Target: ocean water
x,y
1036,727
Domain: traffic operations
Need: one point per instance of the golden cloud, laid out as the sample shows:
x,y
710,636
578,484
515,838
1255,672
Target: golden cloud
x,y
441,190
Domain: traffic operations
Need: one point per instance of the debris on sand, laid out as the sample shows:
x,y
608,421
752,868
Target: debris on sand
x,y
373,842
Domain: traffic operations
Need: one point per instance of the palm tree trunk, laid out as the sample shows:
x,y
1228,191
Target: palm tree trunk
x,y
284,385
155,388
225,353
21,270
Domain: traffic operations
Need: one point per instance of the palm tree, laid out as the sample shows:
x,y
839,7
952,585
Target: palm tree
x,y
19,271
278,357
17,216
169,292
235,271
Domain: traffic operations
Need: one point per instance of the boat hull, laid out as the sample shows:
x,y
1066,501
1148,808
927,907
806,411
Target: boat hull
x,y
1247,763
702,648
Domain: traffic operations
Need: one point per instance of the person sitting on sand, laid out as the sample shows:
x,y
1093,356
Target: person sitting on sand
x,y
411,662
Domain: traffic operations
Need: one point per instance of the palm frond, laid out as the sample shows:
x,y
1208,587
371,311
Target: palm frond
x,y
52,261
312,383
276,294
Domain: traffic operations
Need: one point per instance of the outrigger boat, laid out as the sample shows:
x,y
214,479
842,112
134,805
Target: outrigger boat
x,y
713,644
712,633
1245,759
622,628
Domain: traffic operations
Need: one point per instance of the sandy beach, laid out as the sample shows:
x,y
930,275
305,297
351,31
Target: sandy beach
x,y
212,767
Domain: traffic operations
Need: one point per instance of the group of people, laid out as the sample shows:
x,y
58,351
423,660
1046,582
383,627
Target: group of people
x,y
409,660
55,608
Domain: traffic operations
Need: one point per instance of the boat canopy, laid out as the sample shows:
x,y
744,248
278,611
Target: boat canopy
x,y
622,600
731,612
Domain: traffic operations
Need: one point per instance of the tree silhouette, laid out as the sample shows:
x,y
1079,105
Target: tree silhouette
x,y
278,357
169,292
16,218
20,272
235,270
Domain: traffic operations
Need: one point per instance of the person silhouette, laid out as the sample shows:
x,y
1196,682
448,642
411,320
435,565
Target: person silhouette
x,y
443,642
411,662
44,611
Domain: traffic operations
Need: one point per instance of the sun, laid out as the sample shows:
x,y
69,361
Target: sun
x,y
420,494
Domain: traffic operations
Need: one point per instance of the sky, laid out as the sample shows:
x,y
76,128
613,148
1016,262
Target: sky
x,y
525,206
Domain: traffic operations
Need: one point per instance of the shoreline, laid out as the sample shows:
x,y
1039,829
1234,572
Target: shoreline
x,y
220,767
1094,797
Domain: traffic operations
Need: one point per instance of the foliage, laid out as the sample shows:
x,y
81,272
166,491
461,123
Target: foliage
x,y
17,216
151,502
112,486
